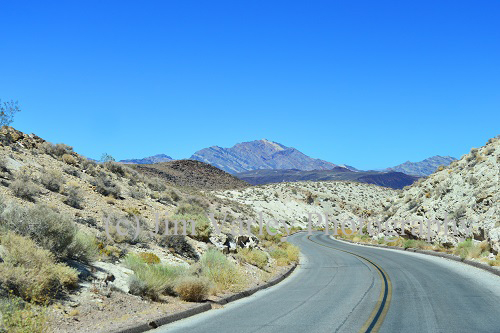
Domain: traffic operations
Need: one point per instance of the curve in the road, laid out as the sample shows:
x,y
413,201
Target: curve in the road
x,y
378,314
337,288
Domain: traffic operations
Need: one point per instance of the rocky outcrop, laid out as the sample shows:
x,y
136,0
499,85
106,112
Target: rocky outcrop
x,y
12,137
468,191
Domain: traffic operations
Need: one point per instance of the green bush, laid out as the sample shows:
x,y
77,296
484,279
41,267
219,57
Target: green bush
x,y
469,250
136,193
83,247
189,209
21,317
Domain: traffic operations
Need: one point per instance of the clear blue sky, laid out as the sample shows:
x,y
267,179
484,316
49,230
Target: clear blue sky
x,y
367,83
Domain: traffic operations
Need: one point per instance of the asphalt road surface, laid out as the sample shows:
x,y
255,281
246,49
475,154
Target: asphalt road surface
x,y
341,287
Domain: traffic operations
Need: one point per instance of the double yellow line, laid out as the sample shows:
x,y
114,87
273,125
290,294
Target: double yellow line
x,y
378,314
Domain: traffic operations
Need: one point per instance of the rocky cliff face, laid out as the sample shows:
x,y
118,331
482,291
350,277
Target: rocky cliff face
x,y
467,190
259,154
423,168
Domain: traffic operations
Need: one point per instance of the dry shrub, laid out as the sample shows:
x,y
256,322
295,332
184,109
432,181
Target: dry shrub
x,y
24,190
116,168
23,186
31,272
69,159
52,180
105,186
74,196
149,258
218,269
49,229
193,289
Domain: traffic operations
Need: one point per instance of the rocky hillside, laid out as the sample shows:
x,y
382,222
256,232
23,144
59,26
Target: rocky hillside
x,y
423,168
396,180
91,248
466,190
259,154
148,160
191,173
291,202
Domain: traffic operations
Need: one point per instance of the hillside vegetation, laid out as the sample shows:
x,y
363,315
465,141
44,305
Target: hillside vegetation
x,y
57,261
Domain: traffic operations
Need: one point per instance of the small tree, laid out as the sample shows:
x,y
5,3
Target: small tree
x,y
107,158
7,111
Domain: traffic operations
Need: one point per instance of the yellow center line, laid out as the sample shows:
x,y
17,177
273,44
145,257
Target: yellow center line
x,y
378,314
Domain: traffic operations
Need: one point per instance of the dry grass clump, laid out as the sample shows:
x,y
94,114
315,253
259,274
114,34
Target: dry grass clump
x,y
32,272
253,257
417,244
152,280
224,274
469,250
495,262
193,288
285,254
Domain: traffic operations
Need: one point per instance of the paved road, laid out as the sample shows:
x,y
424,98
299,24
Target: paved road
x,y
340,287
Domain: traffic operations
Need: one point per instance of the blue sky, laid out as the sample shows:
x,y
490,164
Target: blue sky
x,y
367,83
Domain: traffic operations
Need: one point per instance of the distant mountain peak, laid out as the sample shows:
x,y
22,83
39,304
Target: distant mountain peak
x,y
158,158
423,168
259,154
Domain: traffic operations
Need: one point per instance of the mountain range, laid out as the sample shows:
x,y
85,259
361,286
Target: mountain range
x,y
149,160
269,155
